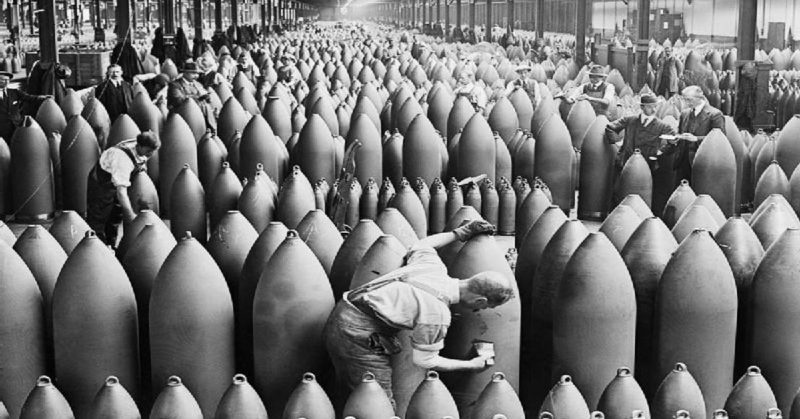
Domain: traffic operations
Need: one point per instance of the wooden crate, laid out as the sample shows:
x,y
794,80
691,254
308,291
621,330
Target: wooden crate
x,y
88,67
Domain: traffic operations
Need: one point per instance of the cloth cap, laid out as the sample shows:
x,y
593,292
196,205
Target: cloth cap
x,y
597,71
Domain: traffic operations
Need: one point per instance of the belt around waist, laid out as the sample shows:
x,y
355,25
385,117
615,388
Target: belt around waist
x,y
357,317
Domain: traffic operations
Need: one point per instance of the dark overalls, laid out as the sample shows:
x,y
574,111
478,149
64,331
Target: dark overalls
x,y
599,93
103,211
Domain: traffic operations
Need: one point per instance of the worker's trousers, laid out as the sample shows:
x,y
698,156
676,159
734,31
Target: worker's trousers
x,y
358,344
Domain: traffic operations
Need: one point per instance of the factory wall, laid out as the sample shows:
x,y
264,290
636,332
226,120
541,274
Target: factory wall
x,y
715,20
704,18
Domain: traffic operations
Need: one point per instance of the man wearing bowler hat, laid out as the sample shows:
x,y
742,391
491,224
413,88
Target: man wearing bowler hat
x,y
642,132
188,86
11,101
599,93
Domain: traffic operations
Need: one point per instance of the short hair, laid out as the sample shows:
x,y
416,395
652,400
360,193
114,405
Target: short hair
x,y
694,91
110,66
148,139
493,285
160,81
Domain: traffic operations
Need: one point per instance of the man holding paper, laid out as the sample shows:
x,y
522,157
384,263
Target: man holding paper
x,y
697,119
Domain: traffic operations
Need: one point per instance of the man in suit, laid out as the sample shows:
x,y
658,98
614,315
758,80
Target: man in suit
x,y
642,132
114,93
697,119
667,74
11,101
188,87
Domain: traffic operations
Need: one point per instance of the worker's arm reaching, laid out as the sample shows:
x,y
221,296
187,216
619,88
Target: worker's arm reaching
x,y
463,233
433,361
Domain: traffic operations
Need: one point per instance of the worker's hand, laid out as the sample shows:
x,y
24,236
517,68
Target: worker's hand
x,y
472,229
480,363
56,136
570,100
583,97
689,137
652,161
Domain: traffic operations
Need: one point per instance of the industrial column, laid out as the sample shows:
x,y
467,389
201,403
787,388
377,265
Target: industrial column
x,y
30,15
488,33
76,16
99,32
14,22
439,11
748,25
48,50
147,14
169,20
123,17
580,33
752,75
197,15
539,19
217,16
446,19
424,15
413,13
178,5
510,16
235,16
472,17
458,15
642,44
264,24
133,18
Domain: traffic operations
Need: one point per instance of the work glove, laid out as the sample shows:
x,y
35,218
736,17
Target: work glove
x,y
472,229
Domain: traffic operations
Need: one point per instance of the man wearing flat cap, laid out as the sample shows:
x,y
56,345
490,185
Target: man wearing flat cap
x,y
525,82
599,93
11,101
